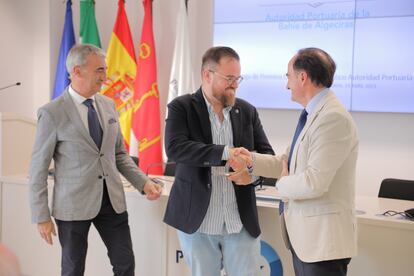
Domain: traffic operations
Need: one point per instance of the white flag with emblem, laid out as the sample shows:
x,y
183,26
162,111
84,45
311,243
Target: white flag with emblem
x,y
181,78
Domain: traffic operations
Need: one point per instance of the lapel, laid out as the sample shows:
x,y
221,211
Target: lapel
x,y
236,124
309,122
73,115
200,107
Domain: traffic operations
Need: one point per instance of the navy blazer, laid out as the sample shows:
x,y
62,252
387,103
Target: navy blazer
x,y
188,142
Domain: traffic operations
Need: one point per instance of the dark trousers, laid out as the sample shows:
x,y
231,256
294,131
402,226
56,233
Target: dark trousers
x,y
325,268
114,231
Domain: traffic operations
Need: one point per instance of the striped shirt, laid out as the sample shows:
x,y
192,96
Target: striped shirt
x,y
222,213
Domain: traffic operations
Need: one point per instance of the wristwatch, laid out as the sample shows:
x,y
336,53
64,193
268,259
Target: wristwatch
x,y
250,169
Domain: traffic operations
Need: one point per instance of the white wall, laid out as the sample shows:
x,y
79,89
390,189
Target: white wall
x,y
31,32
16,56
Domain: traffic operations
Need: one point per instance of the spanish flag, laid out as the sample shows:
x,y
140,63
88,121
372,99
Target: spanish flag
x,y
121,70
146,114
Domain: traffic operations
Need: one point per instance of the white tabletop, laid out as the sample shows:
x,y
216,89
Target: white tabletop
x,y
369,209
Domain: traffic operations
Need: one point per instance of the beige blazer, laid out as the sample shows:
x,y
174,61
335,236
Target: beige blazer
x,y
80,166
320,190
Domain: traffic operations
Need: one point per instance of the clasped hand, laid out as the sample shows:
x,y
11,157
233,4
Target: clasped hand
x,y
152,190
240,159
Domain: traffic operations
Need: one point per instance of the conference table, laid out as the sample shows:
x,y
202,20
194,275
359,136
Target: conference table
x,y
385,243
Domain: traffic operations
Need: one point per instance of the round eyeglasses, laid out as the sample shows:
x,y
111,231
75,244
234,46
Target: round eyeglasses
x,y
230,79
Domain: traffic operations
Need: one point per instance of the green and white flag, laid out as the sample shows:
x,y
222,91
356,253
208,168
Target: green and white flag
x,y
88,28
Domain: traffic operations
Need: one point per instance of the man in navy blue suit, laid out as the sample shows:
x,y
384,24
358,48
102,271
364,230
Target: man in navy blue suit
x,y
216,220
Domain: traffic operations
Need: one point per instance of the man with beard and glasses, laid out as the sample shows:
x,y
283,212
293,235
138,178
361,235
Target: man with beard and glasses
x,y
216,221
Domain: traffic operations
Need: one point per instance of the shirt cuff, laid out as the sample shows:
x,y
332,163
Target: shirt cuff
x,y
226,153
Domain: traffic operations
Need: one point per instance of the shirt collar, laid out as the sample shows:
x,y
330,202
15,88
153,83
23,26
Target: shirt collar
x,y
77,97
311,106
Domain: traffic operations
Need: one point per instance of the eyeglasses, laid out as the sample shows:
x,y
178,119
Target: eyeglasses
x,y
230,80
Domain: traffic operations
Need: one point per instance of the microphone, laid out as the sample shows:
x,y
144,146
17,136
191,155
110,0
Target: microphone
x,y
157,164
160,180
151,165
10,85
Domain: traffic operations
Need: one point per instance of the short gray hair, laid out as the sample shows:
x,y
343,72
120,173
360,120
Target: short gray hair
x,y
79,53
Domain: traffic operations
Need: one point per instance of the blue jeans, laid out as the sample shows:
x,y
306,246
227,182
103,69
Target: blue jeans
x,y
206,254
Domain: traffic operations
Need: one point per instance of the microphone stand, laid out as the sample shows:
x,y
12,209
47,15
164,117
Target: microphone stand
x,y
159,179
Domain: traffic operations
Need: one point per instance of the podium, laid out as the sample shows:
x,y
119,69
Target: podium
x,y
17,134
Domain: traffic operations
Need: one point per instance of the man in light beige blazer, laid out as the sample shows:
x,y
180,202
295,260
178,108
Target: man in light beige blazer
x,y
80,131
318,185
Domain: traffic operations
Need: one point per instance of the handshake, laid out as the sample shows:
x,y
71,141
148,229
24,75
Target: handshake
x,y
240,160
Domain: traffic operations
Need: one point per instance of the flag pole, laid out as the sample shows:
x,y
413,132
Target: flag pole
x,y
152,12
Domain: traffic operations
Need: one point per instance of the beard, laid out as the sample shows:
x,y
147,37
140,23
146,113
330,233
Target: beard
x,y
226,97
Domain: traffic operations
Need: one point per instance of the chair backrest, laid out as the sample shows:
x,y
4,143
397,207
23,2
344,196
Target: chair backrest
x,y
397,189
269,181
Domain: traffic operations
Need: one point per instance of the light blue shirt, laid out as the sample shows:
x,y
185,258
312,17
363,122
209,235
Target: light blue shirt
x,y
222,213
310,107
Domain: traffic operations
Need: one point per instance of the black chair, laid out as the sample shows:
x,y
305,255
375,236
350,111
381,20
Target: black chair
x,y
397,189
269,181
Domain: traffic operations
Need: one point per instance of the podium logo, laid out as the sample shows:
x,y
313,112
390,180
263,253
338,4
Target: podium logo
x,y
178,255
269,262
